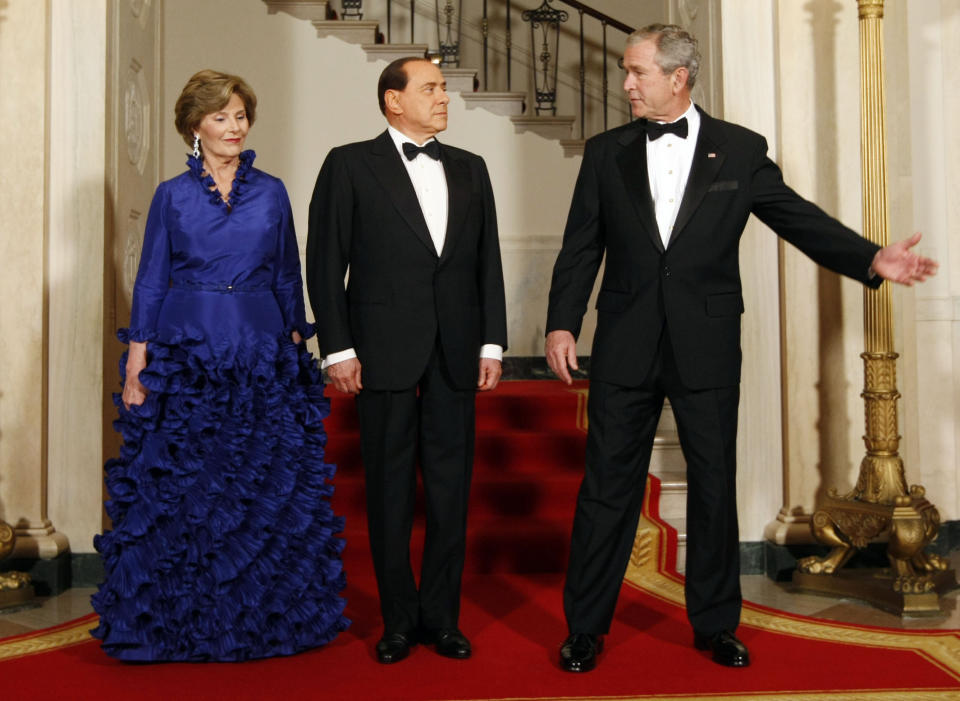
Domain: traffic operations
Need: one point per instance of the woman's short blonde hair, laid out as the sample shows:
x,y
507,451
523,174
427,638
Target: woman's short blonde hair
x,y
209,91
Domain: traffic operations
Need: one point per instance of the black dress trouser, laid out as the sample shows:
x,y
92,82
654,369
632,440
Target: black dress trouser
x,y
432,422
622,425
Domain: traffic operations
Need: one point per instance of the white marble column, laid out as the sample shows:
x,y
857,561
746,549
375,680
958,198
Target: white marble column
x,y
928,100
23,273
822,325
76,195
51,272
749,98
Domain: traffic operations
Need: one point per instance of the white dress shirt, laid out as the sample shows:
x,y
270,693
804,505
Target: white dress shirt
x,y
668,166
430,184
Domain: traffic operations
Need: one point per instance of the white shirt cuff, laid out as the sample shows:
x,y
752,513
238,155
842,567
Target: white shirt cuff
x,y
488,350
338,357
492,351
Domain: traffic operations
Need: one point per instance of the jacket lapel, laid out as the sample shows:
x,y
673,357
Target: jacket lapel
x,y
393,176
632,161
458,199
707,159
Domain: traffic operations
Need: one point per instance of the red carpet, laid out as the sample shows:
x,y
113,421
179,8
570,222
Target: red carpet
x,y
529,455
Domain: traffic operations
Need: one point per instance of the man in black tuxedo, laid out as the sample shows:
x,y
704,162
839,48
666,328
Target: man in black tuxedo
x,y
420,327
667,198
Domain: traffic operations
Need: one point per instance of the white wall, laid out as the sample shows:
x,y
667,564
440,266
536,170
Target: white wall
x,y
927,101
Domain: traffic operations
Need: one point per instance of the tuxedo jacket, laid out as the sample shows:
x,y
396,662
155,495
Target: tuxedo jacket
x,y
401,295
693,285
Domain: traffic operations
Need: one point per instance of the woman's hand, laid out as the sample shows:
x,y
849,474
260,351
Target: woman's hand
x,y
134,393
296,337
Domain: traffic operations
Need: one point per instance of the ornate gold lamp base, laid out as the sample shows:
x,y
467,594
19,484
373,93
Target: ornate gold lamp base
x,y
20,592
878,587
15,587
911,586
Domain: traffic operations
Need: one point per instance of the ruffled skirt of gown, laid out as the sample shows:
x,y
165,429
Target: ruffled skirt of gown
x,y
223,544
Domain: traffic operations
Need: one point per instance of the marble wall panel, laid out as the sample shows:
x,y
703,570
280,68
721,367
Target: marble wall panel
x,y
749,82
23,60
75,284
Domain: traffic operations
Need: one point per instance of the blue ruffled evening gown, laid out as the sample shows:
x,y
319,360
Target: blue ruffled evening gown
x,y
223,544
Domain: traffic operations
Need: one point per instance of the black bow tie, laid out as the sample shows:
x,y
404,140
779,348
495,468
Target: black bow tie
x,y
655,130
431,148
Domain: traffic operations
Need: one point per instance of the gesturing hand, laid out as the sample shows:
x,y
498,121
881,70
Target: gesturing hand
x,y
490,371
345,375
561,352
898,263
134,393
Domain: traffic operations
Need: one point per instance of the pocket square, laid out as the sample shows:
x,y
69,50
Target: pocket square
x,y
723,185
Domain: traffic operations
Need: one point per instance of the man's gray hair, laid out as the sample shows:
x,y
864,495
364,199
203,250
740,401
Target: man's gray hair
x,y
676,48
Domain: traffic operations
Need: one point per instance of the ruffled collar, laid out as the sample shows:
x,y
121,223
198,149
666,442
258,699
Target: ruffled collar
x,y
239,179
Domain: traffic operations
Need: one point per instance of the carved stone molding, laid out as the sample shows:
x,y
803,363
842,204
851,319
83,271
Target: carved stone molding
x,y
702,19
39,540
133,244
301,9
141,10
689,9
136,117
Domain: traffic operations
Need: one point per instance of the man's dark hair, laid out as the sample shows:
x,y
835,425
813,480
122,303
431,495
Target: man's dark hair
x,y
394,77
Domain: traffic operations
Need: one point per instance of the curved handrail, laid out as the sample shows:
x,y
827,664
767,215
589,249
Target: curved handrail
x,y
596,14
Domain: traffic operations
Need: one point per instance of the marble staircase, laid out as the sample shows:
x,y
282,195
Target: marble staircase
x,y
367,34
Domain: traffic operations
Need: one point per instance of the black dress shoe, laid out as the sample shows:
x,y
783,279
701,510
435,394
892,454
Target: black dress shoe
x,y
727,650
450,642
393,647
579,652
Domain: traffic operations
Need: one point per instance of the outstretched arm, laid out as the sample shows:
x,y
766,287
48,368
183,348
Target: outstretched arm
x,y
898,263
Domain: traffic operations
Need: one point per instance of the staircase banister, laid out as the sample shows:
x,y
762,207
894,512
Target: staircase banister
x,y
606,19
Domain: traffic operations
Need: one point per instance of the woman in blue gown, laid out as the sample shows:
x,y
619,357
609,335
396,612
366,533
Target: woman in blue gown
x,y
223,544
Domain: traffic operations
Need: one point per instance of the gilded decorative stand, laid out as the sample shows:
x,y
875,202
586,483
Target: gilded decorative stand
x,y
15,587
881,500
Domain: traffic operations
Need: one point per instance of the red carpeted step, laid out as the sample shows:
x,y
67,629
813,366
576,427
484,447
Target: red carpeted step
x,y
540,405
508,545
527,469
343,413
495,454
548,496
523,404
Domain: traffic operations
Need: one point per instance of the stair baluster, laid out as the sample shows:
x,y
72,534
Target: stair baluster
x,y
449,48
546,18
583,81
509,46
